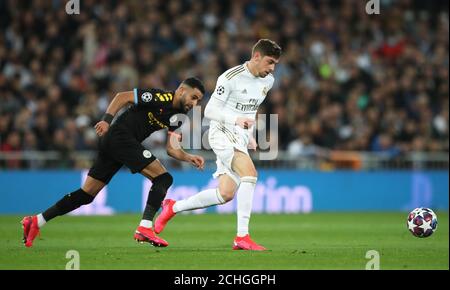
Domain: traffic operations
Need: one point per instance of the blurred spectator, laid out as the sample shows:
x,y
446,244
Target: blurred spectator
x,y
12,145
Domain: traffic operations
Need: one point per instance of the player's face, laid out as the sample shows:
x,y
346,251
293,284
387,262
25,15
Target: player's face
x,y
189,98
266,65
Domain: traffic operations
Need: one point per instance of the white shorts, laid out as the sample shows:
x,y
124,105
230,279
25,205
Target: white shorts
x,y
224,141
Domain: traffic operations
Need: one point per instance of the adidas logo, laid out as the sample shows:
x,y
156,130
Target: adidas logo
x,y
244,91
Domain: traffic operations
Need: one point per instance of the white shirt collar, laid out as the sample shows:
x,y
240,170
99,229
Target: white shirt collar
x,y
248,70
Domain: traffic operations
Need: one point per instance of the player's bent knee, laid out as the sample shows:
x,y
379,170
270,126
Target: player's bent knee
x,y
164,180
253,173
226,194
92,186
161,184
87,199
91,191
250,171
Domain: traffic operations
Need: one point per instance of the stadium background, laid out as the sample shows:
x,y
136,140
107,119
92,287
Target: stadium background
x,y
362,100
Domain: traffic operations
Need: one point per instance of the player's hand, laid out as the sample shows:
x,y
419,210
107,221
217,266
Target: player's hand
x,y
101,128
244,123
252,145
197,161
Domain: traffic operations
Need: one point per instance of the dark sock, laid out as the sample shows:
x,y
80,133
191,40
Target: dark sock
x,y
67,204
156,195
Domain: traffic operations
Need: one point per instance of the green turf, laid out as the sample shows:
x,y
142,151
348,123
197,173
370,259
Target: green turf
x,y
304,241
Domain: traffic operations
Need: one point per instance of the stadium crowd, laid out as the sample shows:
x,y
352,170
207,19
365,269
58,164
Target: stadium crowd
x,y
346,80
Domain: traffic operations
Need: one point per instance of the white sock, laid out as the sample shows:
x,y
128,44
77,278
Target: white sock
x,y
244,204
41,220
146,223
202,199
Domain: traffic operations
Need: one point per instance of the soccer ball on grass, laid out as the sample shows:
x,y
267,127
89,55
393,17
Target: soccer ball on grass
x,y
422,222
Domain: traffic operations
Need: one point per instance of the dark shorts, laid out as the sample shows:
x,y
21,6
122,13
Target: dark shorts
x,y
117,148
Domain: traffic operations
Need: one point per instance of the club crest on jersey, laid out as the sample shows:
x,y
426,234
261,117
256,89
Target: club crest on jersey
x,y
147,154
220,90
146,97
264,92
173,119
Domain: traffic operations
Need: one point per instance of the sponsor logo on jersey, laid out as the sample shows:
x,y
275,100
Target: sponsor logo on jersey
x,y
252,105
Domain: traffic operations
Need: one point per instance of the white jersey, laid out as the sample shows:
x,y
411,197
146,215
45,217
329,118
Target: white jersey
x,y
241,92
238,93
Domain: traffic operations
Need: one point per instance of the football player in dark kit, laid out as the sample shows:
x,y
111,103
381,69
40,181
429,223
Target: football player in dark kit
x,y
120,144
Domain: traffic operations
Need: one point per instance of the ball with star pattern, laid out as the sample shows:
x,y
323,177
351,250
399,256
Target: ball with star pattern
x,y
422,222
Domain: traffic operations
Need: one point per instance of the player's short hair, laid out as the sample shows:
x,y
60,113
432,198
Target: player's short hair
x,y
195,83
267,47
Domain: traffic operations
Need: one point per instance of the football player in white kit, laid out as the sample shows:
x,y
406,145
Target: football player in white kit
x,y
232,110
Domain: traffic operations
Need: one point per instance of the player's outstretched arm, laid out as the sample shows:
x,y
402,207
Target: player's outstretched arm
x,y
119,101
174,150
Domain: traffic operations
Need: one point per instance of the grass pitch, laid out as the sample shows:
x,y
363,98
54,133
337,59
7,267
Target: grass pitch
x,y
303,241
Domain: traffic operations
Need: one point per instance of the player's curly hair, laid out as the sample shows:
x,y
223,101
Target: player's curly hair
x,y
267,47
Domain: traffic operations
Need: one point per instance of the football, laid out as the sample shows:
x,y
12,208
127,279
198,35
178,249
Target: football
x,y
422,222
